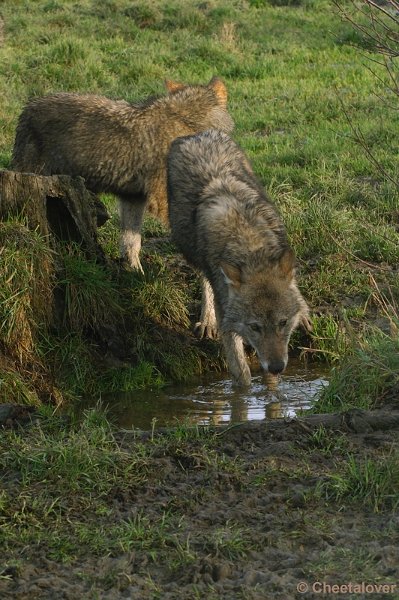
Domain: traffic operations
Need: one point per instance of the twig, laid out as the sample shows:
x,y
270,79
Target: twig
x,y
359,138
349,253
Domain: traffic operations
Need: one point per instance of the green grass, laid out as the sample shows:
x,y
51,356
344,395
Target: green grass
x,y
366,375
26,287
229,542
16,387
94,307
326,442
159,297
80,371
75,491
90,295
83,494
69,478
370,481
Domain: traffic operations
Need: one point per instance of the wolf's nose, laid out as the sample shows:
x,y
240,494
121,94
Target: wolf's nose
x,y
276,367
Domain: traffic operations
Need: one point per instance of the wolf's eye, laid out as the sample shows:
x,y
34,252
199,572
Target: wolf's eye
x,y
254,327
282,323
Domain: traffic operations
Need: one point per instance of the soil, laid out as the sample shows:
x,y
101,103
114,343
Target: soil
x,y
290,537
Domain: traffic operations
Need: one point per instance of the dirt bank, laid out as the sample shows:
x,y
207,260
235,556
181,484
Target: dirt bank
x,y
248,512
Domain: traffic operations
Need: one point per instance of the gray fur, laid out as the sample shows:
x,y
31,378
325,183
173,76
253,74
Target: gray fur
x,y
227,228
116,146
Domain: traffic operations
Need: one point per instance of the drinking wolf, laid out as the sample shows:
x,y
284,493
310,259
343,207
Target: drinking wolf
x,y
227,228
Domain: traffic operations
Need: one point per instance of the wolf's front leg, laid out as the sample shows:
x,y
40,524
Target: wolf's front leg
x,y
236,359
207,326
131,215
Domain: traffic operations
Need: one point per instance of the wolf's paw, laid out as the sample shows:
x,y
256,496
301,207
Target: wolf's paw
x,y
243,379
132,265
306,323
137,267
204,329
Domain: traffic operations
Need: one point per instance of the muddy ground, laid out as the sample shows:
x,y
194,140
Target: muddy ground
x,y
247,512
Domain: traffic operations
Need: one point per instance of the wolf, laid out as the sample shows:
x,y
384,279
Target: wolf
x,y
228,229
117,147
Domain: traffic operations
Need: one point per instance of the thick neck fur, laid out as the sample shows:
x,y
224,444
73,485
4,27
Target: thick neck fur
x,y
197,107
249,229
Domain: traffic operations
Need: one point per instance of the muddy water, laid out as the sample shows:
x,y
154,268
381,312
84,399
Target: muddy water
x,y
213,400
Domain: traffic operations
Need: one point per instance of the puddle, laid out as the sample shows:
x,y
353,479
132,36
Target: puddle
x,y
213,400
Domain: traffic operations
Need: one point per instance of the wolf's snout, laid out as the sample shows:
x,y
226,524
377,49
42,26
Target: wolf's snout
x,y
276,366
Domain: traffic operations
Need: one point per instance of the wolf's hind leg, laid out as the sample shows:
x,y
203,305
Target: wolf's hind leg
x,y
26,157
207,326
236,359
131,214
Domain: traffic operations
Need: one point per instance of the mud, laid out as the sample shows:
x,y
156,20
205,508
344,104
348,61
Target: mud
x,y
255,531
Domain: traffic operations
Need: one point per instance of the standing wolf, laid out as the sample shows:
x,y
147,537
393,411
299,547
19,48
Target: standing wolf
x,y
227,228
116,146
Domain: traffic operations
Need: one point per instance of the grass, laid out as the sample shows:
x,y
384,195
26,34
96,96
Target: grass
x,y
160,298
229,542
90,295
83,495
26,287
326,442
97,310
16,387
370,481
82,459
68,479
366,375
112,510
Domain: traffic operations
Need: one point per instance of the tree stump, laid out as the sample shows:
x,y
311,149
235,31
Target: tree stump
x,y
58,204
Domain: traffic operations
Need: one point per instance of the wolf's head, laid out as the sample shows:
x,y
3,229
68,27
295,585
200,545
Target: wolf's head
x,y
202,107
264,307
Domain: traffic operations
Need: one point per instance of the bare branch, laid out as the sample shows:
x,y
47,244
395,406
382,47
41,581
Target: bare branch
x,y
358,137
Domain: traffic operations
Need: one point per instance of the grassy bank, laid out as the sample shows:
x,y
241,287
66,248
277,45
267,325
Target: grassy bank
x,y
297,88
85,328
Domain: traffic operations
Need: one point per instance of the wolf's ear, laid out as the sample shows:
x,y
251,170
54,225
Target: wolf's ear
x,y
232,275
220,89
287,263
173,86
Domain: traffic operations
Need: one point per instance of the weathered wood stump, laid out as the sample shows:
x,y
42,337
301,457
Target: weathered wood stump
x,y
56,204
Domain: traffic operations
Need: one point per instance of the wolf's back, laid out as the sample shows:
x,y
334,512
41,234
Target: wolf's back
x,y
202,158
74,134
116,146
211,189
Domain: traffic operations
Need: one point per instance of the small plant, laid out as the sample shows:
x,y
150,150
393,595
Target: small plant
x,y
373,482
229,542
159,298
127,379
328,338
327,443
91,298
